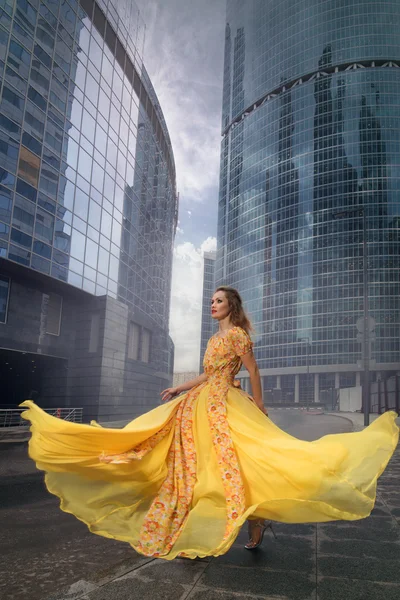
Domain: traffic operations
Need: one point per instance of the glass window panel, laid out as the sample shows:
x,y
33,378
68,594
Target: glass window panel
x,y
104,104
22,35
34,120
44,226
15,80
94,214
63,54
62,236
42,56
45,35
104,259
72,153
29,165
92,89
4,231
58,94
9,127
21,238
79,224
6,201
101,140
54,161
6,178
66,195
95,53
89,286
25,15
8,152
40,264
46,203
19,255
98,176
88,126
74,279
19,58
114,118
60,258
32,143
3,44
78,245
81,204
76,266
37,98
48,182
40,77
116,233
91,253
67,17
59,272
42,249
54,137
84,164
89,273
23,215
114,267
12,104
93,234
106,222
83,184
109,185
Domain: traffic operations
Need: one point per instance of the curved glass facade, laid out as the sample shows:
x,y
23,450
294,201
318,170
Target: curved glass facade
x,y
87,175
311,124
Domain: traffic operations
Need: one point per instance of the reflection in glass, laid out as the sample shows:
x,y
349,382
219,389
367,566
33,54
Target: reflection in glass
x,y
23,214
78,245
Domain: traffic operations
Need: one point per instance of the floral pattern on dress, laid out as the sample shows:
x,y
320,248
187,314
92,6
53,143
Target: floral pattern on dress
x,y
170,509
221,363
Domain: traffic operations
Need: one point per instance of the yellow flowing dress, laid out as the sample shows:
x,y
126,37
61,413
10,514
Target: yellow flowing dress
x,y
181,479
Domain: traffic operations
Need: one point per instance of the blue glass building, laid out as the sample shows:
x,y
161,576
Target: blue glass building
x,y
207,325
311,128
88,210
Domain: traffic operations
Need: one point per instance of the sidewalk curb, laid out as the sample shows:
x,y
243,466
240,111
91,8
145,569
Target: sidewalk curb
x,y
338,416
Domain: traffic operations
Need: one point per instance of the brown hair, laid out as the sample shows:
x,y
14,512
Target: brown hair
x,y
238,315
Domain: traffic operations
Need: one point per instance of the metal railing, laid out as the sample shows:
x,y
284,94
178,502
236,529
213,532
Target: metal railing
x,y
11,417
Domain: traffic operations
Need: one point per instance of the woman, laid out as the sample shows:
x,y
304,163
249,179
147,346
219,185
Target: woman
x,y
182,479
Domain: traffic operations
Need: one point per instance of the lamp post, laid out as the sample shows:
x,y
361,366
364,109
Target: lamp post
x,y
365,329
307,339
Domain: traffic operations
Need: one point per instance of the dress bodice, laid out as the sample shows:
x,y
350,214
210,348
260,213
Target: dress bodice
x,y
222,358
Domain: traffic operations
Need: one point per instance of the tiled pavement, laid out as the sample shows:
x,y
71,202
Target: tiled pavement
x,y
336,561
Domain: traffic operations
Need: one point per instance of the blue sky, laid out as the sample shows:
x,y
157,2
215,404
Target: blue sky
x,y
183,55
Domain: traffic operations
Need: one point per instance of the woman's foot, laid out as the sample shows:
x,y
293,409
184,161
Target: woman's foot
x,y
257,530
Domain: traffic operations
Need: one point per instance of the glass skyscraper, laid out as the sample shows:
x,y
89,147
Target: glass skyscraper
x,y
88,210
207,326
311,144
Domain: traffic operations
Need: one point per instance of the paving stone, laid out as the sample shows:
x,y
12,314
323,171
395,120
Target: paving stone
x,y
360,548
290,553
202,593
137,589
347,589
369,529
177,571
359,568
257,581
294,529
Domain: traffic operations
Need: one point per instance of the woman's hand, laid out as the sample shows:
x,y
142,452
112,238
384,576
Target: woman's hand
x,y
263,409
169,393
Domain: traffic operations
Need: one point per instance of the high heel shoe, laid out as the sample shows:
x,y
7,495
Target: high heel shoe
x,y
263,528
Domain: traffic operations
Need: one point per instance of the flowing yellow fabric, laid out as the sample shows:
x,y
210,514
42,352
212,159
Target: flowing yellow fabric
x,y
181,479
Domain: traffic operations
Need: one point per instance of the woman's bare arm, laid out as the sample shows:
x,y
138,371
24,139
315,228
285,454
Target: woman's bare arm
x,y
251,365
187,385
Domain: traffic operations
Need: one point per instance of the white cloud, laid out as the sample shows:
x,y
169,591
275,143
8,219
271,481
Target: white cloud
x,y
184,58
186,301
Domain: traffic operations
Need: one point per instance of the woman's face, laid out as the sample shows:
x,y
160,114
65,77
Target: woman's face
x,y
219,306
